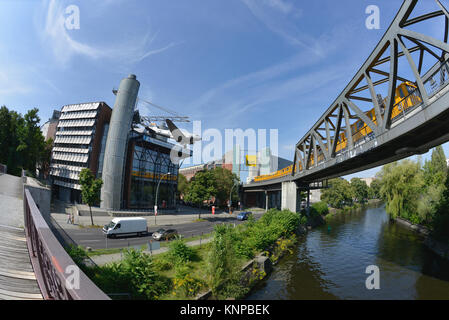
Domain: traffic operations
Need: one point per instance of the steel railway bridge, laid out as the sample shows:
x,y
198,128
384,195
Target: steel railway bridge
x,y
402,50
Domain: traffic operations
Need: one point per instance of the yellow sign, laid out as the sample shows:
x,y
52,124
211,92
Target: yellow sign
x,y
251,161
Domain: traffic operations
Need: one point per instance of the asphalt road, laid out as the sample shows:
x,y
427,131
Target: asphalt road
x,y
96,239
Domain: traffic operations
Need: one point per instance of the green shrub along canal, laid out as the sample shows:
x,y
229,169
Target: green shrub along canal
x,y
330,263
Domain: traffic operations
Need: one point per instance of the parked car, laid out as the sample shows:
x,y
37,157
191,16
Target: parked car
x,y
163,234
126,226
244,215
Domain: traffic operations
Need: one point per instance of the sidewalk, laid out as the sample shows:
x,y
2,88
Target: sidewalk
x,y
108,258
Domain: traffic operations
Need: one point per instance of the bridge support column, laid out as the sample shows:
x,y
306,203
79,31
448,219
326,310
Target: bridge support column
x,y
289,196
266,200
308,202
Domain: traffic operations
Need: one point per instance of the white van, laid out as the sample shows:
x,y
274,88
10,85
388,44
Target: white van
x,y
126,226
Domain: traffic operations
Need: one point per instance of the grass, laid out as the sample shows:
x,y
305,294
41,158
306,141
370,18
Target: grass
x,y
100,252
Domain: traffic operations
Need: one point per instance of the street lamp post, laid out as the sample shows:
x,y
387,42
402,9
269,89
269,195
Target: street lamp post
x,y
230,196
157,191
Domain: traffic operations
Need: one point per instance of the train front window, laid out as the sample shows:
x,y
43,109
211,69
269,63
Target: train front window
x,y
410,89
360,125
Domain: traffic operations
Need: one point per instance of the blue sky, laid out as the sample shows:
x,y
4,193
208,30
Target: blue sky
x,y
257,64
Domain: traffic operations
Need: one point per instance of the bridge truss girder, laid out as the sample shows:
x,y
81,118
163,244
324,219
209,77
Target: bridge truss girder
x,y
321,140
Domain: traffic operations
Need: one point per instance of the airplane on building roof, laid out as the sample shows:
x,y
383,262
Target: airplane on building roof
x,y
170,130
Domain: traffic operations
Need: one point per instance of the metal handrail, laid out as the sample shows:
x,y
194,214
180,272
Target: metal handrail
x,y
58,276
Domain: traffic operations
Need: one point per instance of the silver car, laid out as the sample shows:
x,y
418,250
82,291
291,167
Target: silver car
x,y
163,234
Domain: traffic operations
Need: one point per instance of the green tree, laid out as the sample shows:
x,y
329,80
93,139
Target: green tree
x,y
435,170
201,188
90,189
339,193
359,190
6,130
440,218
183,184
21,140
434,176
31,140
402,185
225,180
374,189
45,158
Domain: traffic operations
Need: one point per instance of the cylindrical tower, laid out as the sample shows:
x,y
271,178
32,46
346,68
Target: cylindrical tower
x,y
116,143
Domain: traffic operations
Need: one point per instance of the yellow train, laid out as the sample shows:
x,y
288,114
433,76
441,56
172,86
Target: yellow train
x,y
405,98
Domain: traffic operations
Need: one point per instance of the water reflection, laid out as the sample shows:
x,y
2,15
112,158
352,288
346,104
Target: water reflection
x,y
331,263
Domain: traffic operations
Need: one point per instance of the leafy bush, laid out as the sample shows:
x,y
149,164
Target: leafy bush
x,y
78,254
135,275
222,266
180,252
321,208
184,284
415,219
163,263
144,280
263,233
282,245
111,279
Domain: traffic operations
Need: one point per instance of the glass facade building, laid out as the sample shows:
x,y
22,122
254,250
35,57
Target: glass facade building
x,y
149,164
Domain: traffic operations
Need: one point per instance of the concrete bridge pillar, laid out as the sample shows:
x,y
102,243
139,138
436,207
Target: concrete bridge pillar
x,y
266,200
289,196
308,203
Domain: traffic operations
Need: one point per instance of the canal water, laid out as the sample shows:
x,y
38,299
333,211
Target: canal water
x,y
330,263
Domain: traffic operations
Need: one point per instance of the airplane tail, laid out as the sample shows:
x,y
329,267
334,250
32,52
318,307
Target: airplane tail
x,y
177,134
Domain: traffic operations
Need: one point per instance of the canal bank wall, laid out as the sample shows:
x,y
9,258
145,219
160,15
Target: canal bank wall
x,y
436,246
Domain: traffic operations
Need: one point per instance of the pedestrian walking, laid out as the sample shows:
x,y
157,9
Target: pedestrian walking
x,y
69,218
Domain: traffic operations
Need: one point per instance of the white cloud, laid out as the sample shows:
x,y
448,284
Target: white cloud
x,y
282,21
280,5
64,46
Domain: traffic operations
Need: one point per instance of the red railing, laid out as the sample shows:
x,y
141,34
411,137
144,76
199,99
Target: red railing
x,y
58,276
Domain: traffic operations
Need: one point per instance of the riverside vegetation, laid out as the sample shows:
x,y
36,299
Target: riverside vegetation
x,y
411,190
419,192
182,272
